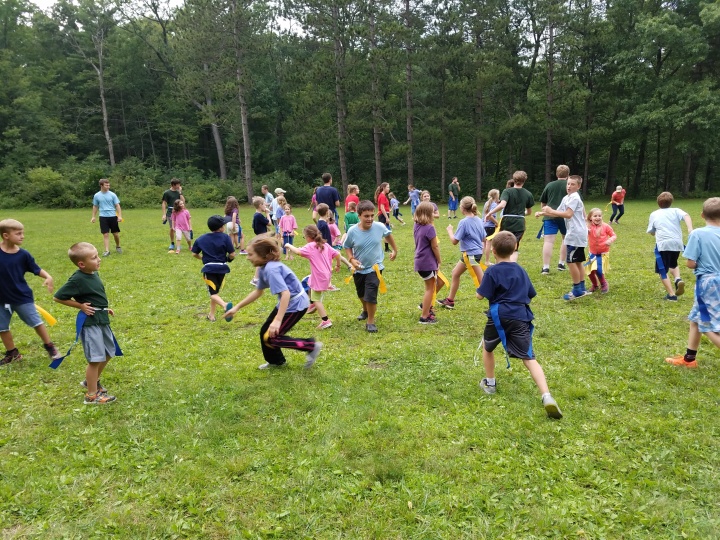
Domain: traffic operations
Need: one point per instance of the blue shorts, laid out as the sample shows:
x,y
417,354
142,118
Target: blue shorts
x,y
708,287
27,313
452,205
98,343
554,226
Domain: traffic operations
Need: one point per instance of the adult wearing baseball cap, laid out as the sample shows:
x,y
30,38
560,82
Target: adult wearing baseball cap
x,y
618,204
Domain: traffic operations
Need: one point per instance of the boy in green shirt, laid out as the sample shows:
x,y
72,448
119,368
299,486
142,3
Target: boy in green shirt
x,y
86,292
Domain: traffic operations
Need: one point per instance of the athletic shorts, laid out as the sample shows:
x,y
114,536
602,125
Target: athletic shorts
x,y
427,274
215,279
708,286
575,254
669,259
98,343
367,286
474,259
554,226
517,335
518,237
27,313
452,205
489,231
231,227
109,224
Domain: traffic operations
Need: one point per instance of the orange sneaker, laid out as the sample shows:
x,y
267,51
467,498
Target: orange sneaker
x,y
679,360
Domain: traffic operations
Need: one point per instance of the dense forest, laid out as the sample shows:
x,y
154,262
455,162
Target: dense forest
x,y
228,94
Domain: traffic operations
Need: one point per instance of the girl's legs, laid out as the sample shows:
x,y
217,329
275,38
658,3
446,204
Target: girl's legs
x,y
427,297
487,249
455,282
272,347
188,240
594,280
178,239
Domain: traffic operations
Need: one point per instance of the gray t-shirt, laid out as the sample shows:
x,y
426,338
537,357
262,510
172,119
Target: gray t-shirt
x,y
577,233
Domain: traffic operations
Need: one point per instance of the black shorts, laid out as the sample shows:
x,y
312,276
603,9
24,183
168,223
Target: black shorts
x,y
215,279
109,224
518,237
489,231
427,274
367,286
669,259
575,254
517,335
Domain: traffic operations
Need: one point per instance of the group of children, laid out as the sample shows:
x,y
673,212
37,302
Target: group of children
x,y
505,284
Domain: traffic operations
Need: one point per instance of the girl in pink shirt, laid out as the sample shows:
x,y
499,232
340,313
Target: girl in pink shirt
x,y
320,257
288,224
182,223
600,237
334,232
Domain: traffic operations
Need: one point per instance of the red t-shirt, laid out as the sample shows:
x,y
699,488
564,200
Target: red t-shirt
x,y
351,198
618,197
383,204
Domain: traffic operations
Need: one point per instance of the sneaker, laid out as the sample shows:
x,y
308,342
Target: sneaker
x,y
574,295
430,319
679,360
545,271
242,252
312,355
270,366
228,307
447,303
561,267
100,387
371,328
431,309
362,316
98,399
118,249
312,309
671,297
333,288
106,254
679,287
11,356
605,287
254,282
551,408
487,388
172,247
324,324
51,349
594,288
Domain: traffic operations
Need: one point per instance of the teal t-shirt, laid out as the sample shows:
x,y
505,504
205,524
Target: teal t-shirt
x,y
85,288
367,245
106,203
703,247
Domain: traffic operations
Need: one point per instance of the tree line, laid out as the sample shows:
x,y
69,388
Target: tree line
x,y
233,92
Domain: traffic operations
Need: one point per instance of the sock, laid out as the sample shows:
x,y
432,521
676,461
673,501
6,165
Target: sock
x,y
490,382
690,355
546,268
593,278
582,285
576,288
545,395
48,346
325,318
14,351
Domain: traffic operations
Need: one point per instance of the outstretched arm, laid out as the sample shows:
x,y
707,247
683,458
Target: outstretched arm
x,y
249,299
48,283
688,223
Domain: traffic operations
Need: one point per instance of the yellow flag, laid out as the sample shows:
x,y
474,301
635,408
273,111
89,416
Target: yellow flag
x,y
469,268
210,284
52,321
497,228
383,286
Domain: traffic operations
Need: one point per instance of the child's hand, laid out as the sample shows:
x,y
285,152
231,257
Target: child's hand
x,y
545,210
449,228
87,309
49,283
337,268
111,312
287,244
393,254
274,328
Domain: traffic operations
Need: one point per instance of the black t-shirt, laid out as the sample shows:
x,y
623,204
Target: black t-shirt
x,y
170,197
260,223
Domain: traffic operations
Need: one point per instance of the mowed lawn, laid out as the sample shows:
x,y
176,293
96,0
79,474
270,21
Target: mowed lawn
x,y
387,437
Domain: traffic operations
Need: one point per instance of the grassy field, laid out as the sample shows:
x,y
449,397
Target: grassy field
x,y
388,437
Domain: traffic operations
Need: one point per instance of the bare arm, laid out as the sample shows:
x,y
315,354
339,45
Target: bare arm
x,y
164,208
691,264
282,308
86,308
688,223
292,248
48,283
495,210
436,250
547,211
94,213
454,241
118,211
390,240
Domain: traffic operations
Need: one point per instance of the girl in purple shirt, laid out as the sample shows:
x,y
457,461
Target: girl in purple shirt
x,y
427,257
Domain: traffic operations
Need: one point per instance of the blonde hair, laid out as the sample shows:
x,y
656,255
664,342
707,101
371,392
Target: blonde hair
x,y
258,202
562,172
577,179
266,248
711,209
282,201
80,252
352,188
519,177
9,225
493,194
424,213
352,206
591,212
468,205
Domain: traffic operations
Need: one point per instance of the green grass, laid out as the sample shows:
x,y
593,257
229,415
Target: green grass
x,y
388,436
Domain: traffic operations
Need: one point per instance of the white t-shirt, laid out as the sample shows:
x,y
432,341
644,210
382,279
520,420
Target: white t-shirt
x,y
577,232
665,225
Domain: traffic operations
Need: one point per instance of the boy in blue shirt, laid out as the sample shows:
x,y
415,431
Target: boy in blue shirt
x,y
217,251
15,294
110,215
508,288
703,256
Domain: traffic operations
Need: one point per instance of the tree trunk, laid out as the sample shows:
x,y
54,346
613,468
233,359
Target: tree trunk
x,y
101,84
640,164
686,174
443,165
409,97
657,162
377,129
478,144
612,168
666,180
709,174
340,97
241,92
549,112
216,133
152,143
586,171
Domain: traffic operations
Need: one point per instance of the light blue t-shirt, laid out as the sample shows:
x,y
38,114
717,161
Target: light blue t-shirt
x,y
471,233
106,203
415,196
665,225
278,278
577,231
367,245
703,247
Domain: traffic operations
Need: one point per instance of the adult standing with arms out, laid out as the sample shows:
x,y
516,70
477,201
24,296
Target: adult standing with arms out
x,y
552,196
328,194
453,197
516,203
618,204
108,204
168,203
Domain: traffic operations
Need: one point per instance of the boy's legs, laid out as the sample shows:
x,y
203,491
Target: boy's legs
x,y
41,331
370,308
215,301
489,363
7,340
576,272
92,375
106,241
116,235
537,374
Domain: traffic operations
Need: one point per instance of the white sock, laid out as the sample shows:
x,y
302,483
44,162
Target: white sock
x,y
546,394
490,382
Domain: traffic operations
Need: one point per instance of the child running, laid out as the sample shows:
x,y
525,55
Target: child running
x,y
182,223
288,224
320,255
85,291
509,291
491,222
664,225
600,237
264,254
470,235
232,224
427,258
363,245
217,251
15,294
395,206
703,256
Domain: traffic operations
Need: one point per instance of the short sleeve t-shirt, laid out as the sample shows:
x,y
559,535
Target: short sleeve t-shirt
x,y
517,200
424,257
87,288
508,285
489,208
665,225
367,245
328,195
181,220
414,195
260,223
170,197
320,265
351,218
618,197
351,198
106,203
324,229
13,287
288,223
383,204
577,233
703,247
278,278
454,190
471,234
215,247
553,195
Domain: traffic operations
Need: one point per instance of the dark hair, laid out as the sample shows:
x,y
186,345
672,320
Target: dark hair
x,y
322,209
175,182
231,204
314,234
380,189
266,248
504,243
365,206
665,199
326,177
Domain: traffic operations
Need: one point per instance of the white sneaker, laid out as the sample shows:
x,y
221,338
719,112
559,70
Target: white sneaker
x,y
312,355
270,366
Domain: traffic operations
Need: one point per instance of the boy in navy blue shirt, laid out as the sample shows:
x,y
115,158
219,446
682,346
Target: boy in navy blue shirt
x,y
15,294
508,288
217,250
